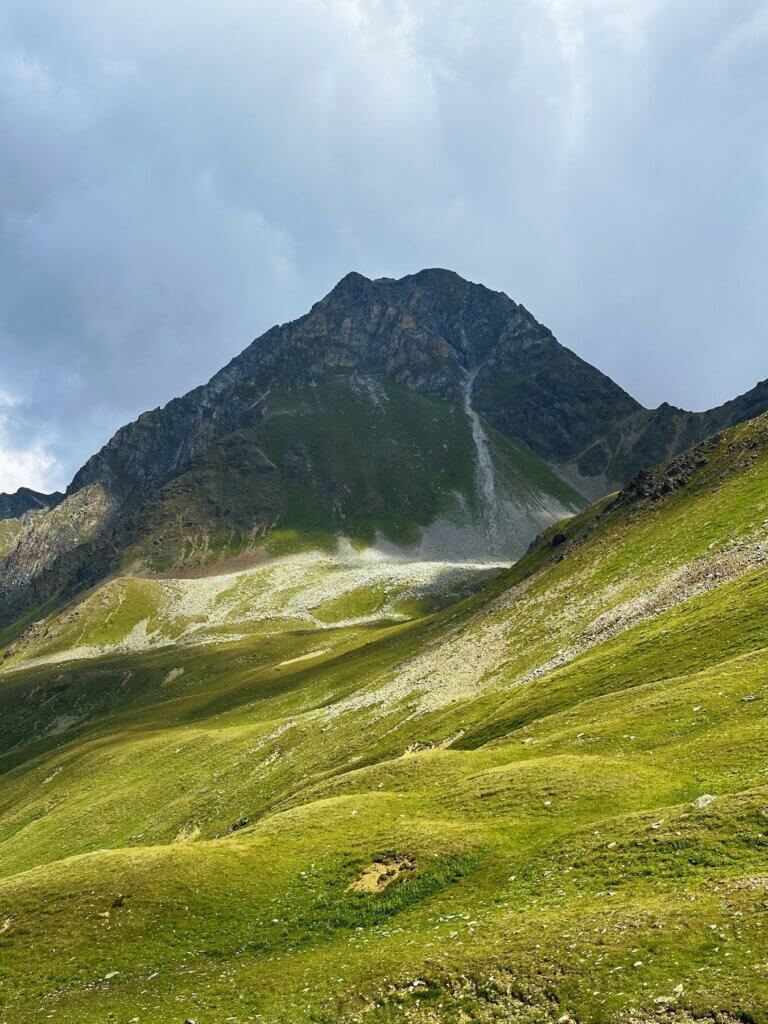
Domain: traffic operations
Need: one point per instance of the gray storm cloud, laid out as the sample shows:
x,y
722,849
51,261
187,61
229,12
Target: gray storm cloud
x,y
176,177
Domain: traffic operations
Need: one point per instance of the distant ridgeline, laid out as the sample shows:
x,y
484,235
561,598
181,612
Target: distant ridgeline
x,y
13,506
426,415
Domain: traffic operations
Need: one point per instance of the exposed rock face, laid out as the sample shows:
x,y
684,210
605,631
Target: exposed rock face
x,y
58,552
200,460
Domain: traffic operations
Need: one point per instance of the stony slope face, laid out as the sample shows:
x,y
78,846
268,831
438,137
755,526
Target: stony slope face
x,y
545,804
210,474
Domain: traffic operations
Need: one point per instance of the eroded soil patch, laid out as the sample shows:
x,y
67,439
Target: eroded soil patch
x,y
381,874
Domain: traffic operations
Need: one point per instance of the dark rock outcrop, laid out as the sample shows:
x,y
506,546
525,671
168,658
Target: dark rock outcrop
x,y
14,506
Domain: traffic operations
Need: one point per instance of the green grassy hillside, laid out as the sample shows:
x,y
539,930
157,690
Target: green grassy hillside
x,y
546,802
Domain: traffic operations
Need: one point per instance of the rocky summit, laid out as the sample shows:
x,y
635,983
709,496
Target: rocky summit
x,y
409,670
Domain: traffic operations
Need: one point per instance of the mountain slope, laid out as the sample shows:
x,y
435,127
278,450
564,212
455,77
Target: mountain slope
x,y
424,332
547,802
203,478
356,457
360,457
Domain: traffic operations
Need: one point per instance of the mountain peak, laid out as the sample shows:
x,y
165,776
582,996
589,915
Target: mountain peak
x,y
436,280
352,419
352,283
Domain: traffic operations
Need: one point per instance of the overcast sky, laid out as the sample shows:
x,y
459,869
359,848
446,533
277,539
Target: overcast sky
x,y
175,177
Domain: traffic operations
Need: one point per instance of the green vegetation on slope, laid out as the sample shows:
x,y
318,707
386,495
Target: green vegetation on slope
x,y
534,767
350,456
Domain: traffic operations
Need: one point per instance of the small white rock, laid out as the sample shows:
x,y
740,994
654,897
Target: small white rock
x,y
704,800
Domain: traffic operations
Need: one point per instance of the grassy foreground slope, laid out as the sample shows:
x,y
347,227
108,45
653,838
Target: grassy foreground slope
x,y
548,802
